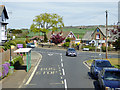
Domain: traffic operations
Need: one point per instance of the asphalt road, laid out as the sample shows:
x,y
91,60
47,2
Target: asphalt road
x,y
59,71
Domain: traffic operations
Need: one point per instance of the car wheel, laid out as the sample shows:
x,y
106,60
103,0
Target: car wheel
x,y
66,54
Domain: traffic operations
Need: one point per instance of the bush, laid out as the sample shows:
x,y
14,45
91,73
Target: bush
x,y
15,60
8,44
68,40
5,70
21,42
66,44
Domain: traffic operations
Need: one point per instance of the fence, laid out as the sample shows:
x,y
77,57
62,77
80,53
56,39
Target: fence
x,y
6,55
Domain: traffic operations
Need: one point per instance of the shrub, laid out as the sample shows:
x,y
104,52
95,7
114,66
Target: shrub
x,y
16,60
66,44
8,44
57,39
68,40
21,42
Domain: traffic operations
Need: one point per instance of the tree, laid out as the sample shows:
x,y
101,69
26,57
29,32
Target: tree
x,y
44,22
57,39
117,44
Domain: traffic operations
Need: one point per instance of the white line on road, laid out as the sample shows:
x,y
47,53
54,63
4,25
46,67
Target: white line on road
x,y
33,72
86,65
63,71
62,64
65,84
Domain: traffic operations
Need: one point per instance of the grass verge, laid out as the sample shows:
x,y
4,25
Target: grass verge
x,y
114,61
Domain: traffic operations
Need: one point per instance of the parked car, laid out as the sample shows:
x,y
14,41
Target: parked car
x,y
71,52
85,49
98,65
109,79
30,45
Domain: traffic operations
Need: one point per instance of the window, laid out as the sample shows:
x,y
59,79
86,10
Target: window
x,y
97,36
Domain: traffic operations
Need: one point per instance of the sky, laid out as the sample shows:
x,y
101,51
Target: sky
x,y
21,14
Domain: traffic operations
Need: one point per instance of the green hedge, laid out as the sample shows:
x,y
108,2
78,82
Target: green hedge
x,y
17,61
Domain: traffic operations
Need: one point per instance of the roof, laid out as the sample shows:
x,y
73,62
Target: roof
x,y
23,50
87,35
64,34
3,9
39,37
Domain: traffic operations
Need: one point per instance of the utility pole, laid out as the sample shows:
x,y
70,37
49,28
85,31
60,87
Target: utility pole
x,y
106,33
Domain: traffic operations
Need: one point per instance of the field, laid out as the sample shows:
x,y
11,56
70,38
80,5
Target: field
x,y
78,31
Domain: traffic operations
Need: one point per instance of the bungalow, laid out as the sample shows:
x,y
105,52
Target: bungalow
x,y
98,36
3,24
64,34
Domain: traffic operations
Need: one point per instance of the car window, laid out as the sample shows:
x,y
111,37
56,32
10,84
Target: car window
x,y
103,64
112,75
71,49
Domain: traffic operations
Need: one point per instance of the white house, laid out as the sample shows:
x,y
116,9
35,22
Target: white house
x,y
3,24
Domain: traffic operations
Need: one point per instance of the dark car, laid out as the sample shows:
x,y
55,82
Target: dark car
x,y
109,79
30,45
71,52
98,65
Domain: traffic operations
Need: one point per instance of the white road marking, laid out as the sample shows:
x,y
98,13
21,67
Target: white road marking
x,y
65,84
86,65
61,60
62,64
33,72
63,71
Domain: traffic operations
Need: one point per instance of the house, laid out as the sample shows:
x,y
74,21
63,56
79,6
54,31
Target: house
x,y
64,34
3,24
98,36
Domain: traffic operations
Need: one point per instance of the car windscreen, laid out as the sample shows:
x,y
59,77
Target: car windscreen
x,y
112,75
71,49
103,64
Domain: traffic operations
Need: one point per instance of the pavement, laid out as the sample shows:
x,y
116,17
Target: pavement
x,y
19,77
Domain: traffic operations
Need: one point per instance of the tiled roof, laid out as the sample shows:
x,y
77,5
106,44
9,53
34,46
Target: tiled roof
x,y
64,34
3,9
87,36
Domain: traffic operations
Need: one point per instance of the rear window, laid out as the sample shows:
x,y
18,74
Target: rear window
x,y
112,75
103,64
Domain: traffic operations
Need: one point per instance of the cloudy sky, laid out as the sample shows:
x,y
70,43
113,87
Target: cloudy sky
x,y
21,14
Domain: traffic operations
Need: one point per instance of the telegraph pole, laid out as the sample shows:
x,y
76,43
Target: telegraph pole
x,y
106,33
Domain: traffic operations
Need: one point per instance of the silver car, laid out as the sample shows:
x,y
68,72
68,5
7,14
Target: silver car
x,y
71,52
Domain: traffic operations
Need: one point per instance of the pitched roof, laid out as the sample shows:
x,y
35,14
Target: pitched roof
x,y
3,9
87,35
64,34
39,37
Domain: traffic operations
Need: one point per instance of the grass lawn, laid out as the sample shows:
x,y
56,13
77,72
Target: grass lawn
x,y
114,61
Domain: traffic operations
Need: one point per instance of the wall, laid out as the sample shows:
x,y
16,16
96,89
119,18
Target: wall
x,y
6,55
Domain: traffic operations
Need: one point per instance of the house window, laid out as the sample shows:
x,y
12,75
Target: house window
x,y
97,36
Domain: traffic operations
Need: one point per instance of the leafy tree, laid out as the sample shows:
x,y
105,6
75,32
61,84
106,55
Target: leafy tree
x,y
46,21
57,39
117,44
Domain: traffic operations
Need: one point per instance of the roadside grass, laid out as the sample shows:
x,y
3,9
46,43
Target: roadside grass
x,y
114,61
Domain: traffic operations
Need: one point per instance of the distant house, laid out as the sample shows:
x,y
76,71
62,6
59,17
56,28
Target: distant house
x,y
66,34
3,24
98,36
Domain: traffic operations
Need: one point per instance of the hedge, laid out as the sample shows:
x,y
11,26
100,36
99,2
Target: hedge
x,y
17,61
